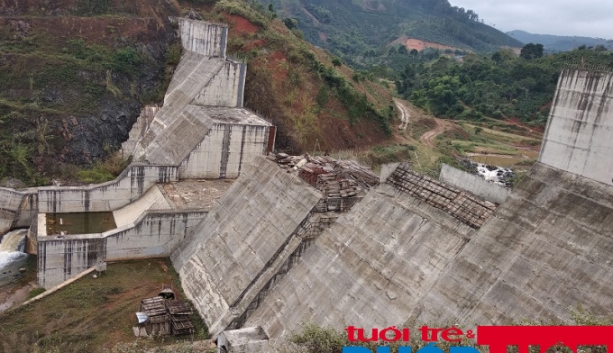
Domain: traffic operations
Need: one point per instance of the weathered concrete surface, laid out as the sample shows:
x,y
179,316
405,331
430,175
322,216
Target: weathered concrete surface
x,y
474,184
226,88
235,138
548,249
239,238
152,200
204,38
153,234
129,186
578,135
369,269
139,129
17,208
215,140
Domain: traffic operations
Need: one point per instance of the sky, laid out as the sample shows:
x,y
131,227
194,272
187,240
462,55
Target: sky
x,y
590,18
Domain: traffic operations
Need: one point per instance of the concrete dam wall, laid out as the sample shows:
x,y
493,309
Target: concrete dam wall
x,y
209,39
203,105
200,131
547,249
129,186
578,135
153,234
239,238
259,230
474,184
17,208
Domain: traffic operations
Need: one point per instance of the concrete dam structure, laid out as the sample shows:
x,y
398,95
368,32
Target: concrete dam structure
x,y
201,131
313,239
416,251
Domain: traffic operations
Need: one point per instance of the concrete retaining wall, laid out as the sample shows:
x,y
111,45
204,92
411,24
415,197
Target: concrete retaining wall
x,y
128,187
203,38
578,135
17,208
154,234
224,150
474,184
226,88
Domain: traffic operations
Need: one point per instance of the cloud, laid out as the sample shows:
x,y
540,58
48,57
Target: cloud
x,y
592,18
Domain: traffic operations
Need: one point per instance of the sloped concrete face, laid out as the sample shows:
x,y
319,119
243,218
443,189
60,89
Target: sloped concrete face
x,y
226,88
235,243
369,269
235,138
186,130
548,249
578,135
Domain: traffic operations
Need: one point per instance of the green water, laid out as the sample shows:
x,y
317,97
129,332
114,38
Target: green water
x,y
80,223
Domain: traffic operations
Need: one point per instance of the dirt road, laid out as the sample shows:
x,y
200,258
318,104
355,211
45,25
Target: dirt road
x,y
404,114
441,125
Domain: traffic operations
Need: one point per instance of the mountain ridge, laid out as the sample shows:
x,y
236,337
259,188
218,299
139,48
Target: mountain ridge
x,y
557,43
352,29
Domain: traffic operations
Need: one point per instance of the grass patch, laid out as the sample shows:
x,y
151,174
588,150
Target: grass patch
x,y
92,314
34,292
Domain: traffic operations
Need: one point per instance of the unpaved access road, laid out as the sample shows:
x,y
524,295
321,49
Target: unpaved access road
x,y
404,114
441,125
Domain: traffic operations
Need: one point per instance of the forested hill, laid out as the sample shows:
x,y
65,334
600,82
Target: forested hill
x,y
356,28
500,85
553,43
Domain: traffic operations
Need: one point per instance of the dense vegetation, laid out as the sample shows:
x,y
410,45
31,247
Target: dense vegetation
x,y
360,31
499,85
554,44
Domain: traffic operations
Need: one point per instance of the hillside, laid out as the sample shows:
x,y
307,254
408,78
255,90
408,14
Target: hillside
x,y
499,86
317,103
75,74
359,30
73,77
553,43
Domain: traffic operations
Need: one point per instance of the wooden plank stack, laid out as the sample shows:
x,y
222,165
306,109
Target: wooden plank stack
x,y
343,183
180,313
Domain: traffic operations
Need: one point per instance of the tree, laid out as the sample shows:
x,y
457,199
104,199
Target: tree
x,y
337,62
290,23
414,52
402,50
531,51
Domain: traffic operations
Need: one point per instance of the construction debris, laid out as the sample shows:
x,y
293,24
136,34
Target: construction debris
x,y
163,315
343,183
461,205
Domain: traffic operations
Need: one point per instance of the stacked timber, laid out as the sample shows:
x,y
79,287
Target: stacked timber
x,y
158,320
343,183
180,314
